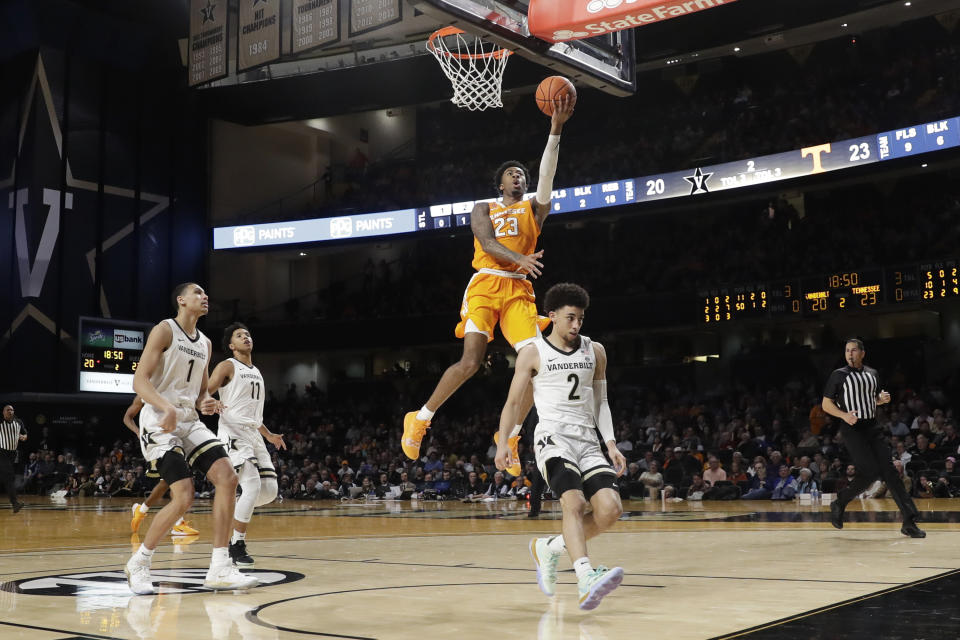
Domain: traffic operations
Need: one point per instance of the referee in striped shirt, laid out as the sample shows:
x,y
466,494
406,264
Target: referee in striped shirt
x,y
852,394
12,433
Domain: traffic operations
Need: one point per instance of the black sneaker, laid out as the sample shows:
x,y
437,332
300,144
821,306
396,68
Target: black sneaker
x,y
238,553
17,506
836,515
911,529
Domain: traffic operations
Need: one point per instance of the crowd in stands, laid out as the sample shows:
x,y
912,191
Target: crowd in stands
x,y
744,110
761,241
756,441
739,108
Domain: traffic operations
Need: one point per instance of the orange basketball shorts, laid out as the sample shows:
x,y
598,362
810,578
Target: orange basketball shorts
x,y
490,299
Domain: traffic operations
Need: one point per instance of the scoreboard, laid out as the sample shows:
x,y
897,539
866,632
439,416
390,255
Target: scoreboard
x,y
694,182
109,353
839,292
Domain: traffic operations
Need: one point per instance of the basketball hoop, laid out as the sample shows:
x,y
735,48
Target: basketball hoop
x,y
474,69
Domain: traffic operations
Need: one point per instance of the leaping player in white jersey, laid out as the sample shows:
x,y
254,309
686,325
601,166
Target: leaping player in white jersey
x,y
172,380
240,428
569,376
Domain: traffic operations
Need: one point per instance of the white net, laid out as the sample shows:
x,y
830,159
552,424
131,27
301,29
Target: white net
x,y
473,66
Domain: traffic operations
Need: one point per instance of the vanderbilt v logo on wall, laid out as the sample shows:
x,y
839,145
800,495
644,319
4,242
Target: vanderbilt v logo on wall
x,y
41,203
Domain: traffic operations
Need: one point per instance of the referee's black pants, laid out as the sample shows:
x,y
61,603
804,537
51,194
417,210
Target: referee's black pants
x,y
873,459
8,478
537,486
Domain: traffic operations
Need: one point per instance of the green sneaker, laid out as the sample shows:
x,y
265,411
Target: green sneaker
x,y
546,561
597,584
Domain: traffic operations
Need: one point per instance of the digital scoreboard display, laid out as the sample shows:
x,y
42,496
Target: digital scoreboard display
x,y
694,182
840,292
109,352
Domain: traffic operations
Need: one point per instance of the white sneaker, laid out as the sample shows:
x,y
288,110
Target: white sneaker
x,y
138,577
596,584
546,562
226,578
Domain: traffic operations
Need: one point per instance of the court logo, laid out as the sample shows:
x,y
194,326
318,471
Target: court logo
x,y
114,583
244,237
341,227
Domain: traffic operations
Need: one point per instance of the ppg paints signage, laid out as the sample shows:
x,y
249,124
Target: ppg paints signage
x,y
558,21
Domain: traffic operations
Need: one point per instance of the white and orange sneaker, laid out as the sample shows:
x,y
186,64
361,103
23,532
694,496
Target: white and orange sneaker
x,y
137,519
413,432
183,528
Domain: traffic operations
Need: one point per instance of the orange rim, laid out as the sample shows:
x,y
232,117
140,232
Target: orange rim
x,y
452,31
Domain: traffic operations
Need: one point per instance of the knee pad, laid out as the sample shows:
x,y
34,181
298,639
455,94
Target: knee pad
x,y
248,479
268,491
250,490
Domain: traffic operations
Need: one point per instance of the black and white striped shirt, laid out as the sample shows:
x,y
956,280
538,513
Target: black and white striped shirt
x,y
854,390
10,431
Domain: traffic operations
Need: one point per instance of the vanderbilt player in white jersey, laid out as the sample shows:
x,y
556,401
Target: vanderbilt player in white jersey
x,y
568,372
240,428
172,380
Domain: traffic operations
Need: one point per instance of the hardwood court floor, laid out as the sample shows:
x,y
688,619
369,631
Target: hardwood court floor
x,y
400,570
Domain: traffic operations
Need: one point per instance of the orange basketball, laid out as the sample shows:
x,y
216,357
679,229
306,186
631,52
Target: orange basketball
x,y
551,89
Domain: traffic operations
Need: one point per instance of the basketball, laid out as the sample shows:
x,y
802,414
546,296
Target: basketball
x,y
552,89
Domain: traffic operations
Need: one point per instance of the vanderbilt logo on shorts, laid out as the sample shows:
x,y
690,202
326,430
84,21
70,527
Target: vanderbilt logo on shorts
x,y
114,583
543,442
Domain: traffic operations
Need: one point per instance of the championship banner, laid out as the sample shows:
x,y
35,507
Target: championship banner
x,y
258,41
369,15
559,21
315,23
208,41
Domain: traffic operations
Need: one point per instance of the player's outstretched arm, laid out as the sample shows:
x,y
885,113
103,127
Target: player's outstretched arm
x,y
528,362
548,162
482,229
276,439
160,339
561,113
130,413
